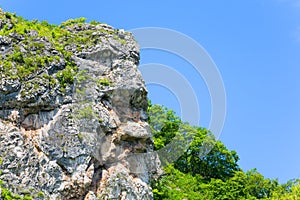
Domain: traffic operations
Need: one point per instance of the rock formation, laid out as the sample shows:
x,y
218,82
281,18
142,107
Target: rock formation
x,y
73,121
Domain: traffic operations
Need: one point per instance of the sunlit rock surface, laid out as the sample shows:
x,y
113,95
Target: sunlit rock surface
x,y
87,139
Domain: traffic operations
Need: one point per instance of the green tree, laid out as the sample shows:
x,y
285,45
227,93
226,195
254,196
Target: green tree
x,y
206,169
219,163
164,125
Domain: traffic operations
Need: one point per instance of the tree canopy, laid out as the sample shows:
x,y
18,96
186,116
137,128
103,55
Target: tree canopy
x,y
204,171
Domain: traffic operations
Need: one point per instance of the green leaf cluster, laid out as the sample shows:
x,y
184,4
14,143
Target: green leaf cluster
x,y
104,82
207,170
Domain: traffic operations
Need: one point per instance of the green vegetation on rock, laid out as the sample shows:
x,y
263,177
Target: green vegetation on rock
x,y
33,44
104,82
8,195
30,48
34,52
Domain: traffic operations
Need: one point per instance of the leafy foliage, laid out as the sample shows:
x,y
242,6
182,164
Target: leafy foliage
x,y
71,22
196,175
104,82
164,125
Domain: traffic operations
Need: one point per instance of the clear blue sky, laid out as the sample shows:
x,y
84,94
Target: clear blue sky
x,y
256,46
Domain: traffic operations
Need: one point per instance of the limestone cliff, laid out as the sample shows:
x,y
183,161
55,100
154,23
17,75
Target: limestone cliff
x,y
73,121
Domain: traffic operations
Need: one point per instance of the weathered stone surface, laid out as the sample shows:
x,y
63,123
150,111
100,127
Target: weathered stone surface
x,y
117,183
90,141
133,130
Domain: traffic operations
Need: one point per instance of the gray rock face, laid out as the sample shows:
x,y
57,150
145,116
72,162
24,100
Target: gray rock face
x,y
91,141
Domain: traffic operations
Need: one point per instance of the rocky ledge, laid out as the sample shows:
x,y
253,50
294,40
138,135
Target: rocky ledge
x,y
73,121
